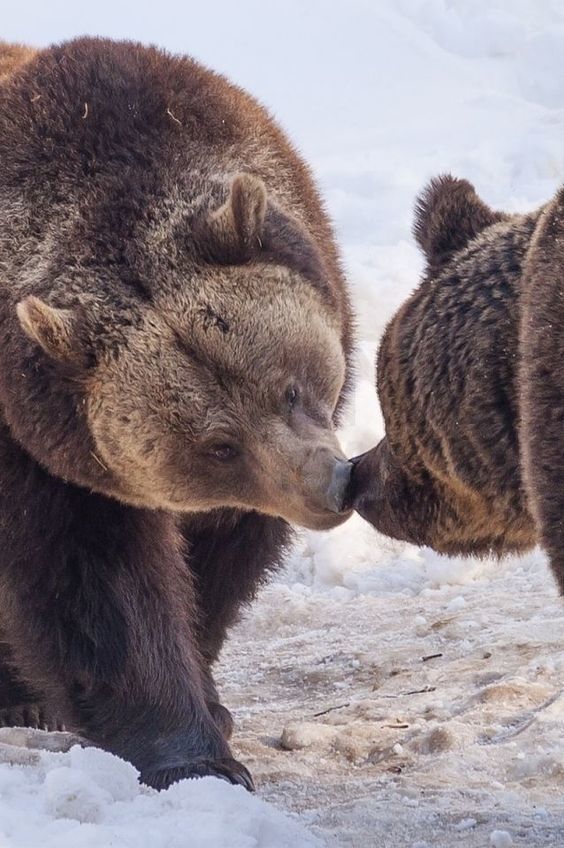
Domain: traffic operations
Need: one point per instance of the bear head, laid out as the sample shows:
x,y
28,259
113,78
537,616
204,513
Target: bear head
x,y
216,387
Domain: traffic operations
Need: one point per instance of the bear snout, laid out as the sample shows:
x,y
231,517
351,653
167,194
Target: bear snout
x,y
364,481
315,494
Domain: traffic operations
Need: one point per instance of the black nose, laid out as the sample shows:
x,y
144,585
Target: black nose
x,y
338,486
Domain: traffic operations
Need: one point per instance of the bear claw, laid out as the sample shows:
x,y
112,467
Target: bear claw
x,y
30,715
226,769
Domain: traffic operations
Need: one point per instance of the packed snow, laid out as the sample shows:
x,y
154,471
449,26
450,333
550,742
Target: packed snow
x,y
384,696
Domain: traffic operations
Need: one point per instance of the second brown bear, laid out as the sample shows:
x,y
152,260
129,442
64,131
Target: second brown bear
x,y
471,383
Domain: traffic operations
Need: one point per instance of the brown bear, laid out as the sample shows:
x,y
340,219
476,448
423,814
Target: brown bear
x,y
176,336
471,385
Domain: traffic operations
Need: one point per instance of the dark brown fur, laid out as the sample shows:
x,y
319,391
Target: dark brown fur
x,y
167,277
469,379
541,382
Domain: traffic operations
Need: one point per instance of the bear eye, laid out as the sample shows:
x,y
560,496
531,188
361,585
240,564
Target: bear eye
x,y
223,452
292,396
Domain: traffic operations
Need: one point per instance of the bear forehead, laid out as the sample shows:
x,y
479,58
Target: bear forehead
x,y
222,344
266,310
258,348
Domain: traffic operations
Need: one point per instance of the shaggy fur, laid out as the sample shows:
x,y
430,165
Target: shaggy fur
x,y
471,387
176,336
12,56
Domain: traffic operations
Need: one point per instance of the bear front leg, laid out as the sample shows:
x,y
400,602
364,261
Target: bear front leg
x,y
98,606
541,446
542,404
230,554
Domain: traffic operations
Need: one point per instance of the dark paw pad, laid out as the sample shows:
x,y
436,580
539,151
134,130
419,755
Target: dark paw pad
x,y
226,769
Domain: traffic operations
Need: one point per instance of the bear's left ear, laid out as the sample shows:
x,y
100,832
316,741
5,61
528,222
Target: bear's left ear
x,y
232,234
448,215
51,328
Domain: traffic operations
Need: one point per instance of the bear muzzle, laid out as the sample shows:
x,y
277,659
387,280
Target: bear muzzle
x,y
311,490
323,483
364,484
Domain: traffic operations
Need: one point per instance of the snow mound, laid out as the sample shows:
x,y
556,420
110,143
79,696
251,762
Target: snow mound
x,y
87,798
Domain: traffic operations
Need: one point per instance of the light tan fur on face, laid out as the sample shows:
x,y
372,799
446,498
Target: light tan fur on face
x,y
211,365
188,381
209,360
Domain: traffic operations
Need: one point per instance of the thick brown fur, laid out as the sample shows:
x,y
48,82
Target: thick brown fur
x,y
541,381
471,385
176,343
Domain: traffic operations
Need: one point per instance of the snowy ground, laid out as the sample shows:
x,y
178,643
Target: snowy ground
x,y
356,733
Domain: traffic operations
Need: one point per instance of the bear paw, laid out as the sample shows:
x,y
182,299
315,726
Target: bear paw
x,y
32,715
227,769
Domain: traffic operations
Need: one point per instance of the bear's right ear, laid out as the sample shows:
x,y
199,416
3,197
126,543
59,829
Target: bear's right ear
x,y
51,328
232,234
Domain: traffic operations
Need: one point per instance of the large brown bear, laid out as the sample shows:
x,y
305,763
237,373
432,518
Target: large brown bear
x,y
175,341
471,383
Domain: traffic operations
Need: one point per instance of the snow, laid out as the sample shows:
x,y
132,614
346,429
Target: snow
x,y
501,839
86,798
384,695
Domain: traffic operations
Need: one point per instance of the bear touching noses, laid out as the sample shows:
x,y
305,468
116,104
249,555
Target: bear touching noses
x,y
470,381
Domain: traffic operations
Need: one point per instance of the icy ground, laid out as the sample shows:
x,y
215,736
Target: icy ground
x,y
384,696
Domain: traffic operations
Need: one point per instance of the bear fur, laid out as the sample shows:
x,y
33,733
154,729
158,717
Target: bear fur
x,y
176,343
471,384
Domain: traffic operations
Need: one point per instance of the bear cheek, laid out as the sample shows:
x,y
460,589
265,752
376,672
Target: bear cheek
x,y
120,444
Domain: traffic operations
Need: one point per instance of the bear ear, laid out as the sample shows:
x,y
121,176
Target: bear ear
x,y
247,226
53,329
233,232
448,215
